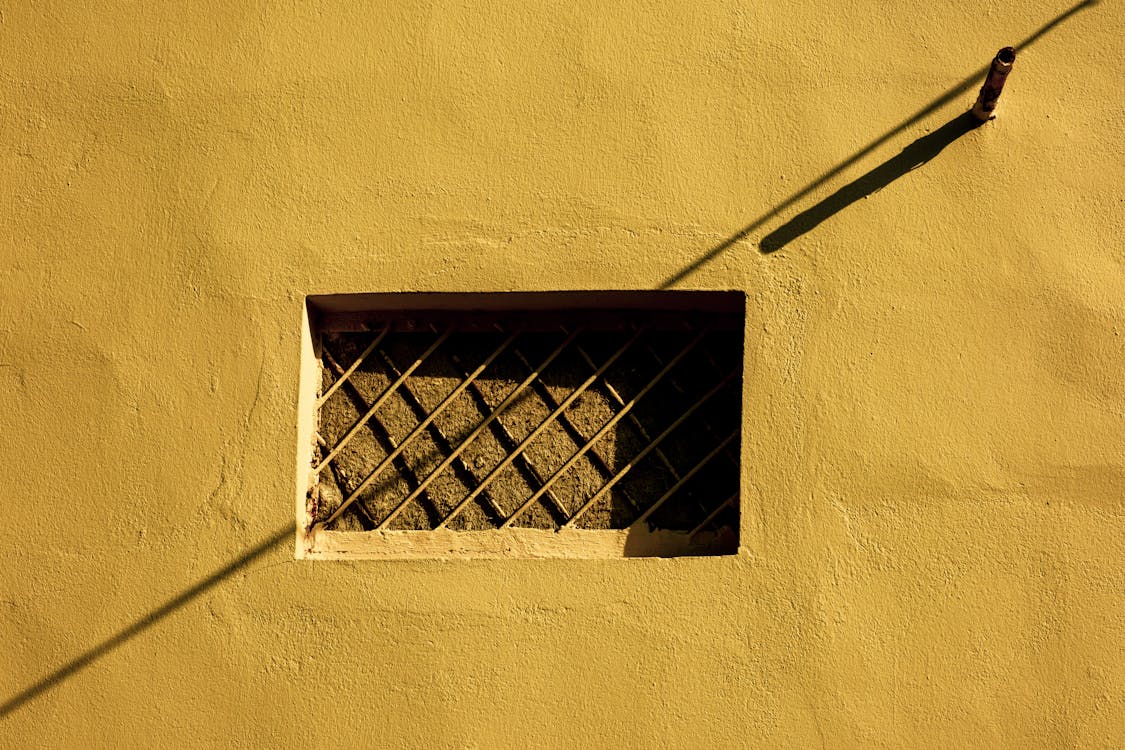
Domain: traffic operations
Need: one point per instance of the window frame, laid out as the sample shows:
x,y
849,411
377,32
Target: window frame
x,y
314,542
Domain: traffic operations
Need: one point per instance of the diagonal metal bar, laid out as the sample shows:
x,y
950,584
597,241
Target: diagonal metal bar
x,y
421,426
680,483
606,428
354,366
382,398
575,434
714,514
706,425
637,425
439,438
337,475
650,447
718,371
509,443
377,430
672,382
550,418
480,428
380,433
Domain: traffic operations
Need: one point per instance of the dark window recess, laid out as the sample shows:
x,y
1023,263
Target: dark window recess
x,y
537,417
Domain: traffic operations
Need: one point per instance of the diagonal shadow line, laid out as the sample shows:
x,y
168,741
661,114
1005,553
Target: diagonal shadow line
x,y
968,82
915,155
144,623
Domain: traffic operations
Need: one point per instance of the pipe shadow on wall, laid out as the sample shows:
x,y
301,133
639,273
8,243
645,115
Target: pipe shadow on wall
x,y
966,84
144,623
915,155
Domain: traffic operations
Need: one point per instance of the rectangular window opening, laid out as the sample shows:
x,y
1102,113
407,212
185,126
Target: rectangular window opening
x,y
560,424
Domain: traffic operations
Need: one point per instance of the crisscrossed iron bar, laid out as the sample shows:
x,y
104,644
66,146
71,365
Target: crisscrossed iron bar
x,y
605,428
713,514
547,421
465,383
509,442
679,483
672,381
707,425
343,376
382,398
576,434
710,357
650,447
481,427
441,442
337,475
380,433
637,425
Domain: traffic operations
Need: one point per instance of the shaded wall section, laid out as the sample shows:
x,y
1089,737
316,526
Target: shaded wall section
x,y
934,399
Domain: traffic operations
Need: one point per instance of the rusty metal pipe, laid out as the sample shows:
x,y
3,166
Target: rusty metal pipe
x,y
994,83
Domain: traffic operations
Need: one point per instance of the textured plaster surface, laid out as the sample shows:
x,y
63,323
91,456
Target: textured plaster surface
x,y
934,446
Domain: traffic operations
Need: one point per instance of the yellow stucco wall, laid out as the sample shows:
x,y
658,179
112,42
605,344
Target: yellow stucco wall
x,y
934,450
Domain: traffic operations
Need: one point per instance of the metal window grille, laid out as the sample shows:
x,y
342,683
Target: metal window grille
x,y
572,422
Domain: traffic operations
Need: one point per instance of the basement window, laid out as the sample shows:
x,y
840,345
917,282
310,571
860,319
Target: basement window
x,y
592,424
